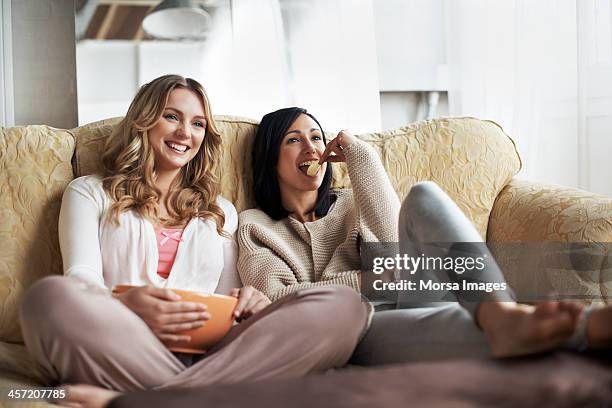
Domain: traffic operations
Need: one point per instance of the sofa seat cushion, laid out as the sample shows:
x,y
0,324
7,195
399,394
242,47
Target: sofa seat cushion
x,y
17,371
14,381
15,359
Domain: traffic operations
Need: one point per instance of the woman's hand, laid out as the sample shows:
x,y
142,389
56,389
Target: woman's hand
x,y
162,310
336,146
250,301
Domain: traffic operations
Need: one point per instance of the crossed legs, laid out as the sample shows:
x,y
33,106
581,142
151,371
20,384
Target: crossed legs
x,y
429,330
80,335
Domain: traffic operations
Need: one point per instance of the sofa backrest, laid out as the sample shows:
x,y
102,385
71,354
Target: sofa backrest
x,y
471,159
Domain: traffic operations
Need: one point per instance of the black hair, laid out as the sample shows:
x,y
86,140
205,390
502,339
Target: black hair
x,y
266,148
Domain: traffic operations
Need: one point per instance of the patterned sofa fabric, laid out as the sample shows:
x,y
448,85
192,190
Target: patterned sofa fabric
x,y
471,159
35,169
528,229
528,211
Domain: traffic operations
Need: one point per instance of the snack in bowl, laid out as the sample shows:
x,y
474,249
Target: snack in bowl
x,y
220,308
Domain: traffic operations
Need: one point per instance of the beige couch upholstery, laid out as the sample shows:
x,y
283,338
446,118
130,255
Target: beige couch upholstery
x,y
473,160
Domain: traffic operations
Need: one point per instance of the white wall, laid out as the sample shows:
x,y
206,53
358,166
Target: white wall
x,y
44,64
411,57
110,72
106,78
595,96
7,111
411,45
411,48
401,108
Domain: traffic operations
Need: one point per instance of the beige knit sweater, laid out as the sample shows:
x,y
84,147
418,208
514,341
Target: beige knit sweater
x,y
279,257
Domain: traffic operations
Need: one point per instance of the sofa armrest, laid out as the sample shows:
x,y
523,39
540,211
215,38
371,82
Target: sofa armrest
x,y
525,211
553,241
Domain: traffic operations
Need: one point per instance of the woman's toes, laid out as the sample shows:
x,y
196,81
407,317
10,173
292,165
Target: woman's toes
x,y
523,329
599,328
575,309
560,326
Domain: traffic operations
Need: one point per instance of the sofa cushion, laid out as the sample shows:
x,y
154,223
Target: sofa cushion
x,y
10,380
528,225
471,159
35,168
90,141
15,359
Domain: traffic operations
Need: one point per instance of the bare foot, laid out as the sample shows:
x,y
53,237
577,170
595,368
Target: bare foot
x,y
515,329
87,396
599,328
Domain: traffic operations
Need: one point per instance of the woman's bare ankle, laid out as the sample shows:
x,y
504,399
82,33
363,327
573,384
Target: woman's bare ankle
x,y
488,312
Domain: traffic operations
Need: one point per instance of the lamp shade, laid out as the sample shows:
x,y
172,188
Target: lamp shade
x,y
178,19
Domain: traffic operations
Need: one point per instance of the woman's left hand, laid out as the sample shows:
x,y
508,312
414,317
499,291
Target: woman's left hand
x,y
250,301
336,146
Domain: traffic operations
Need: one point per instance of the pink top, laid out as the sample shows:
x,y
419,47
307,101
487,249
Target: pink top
x,y
167,245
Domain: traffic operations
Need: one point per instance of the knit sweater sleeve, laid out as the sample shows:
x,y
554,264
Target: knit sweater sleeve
x,y
376,201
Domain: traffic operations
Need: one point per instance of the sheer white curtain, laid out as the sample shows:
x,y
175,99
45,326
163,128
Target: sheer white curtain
x,y
317,54
522,63
333,64
245,67
595,93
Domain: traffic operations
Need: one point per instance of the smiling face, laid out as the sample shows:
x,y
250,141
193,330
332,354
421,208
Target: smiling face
x,y
301,145
177,136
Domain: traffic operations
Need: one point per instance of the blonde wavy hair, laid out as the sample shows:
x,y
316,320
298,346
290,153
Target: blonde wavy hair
x,y
129,162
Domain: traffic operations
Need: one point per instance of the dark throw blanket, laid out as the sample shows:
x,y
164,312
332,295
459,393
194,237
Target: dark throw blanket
x,y
557,380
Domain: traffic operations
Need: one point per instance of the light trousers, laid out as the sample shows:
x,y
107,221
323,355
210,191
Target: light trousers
x,y
80,334
423,329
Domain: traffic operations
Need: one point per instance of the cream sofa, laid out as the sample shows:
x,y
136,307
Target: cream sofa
x,y
473,160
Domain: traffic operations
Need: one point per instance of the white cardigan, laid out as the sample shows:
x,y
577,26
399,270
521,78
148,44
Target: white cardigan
x,y
95,250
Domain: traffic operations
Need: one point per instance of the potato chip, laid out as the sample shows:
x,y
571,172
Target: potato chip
x,y
313,169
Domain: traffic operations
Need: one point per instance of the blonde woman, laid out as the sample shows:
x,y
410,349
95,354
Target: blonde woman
x,y
155,219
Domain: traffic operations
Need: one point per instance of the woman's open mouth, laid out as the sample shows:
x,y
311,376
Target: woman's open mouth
x,y
177,147
305,167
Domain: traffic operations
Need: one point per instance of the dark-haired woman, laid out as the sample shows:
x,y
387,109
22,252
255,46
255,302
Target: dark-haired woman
x,y
305,235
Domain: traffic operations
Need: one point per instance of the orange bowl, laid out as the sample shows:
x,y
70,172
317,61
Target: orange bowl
x,y
220,308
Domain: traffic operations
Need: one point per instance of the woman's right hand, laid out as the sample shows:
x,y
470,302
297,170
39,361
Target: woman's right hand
x,y
336,146
164,312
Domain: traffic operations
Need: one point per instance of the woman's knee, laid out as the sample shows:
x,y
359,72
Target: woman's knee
x,y
350,304
421,197
53,304
68,310
45,296
341,315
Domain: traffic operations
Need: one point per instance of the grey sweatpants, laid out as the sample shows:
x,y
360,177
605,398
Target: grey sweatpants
x,y
414,330
77,334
